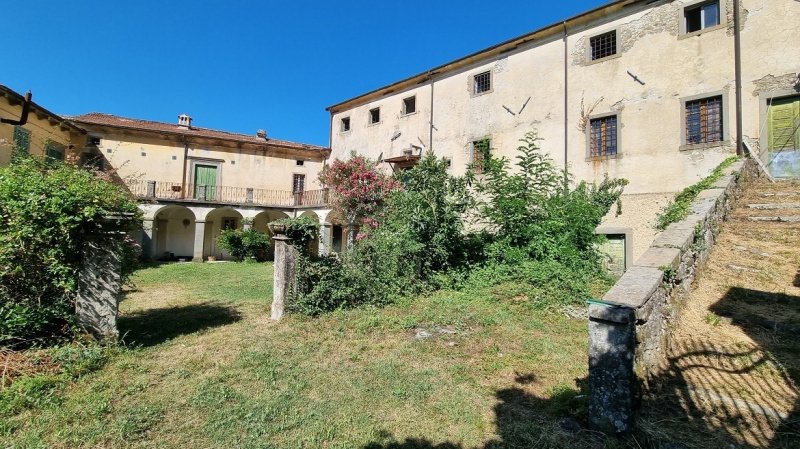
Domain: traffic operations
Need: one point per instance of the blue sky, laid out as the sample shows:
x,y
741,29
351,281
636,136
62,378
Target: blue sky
x,y
243,65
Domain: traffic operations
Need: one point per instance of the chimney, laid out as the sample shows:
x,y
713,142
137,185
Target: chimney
x,y
261,133
185,121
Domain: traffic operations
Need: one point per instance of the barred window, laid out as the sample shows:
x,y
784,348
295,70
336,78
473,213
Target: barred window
x,y
374,116
298,183
482,82
54,151
480,152
603,136
604,45
704,120
22,140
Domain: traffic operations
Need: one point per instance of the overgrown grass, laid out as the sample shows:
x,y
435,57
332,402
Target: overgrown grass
x,y
483,368
679,208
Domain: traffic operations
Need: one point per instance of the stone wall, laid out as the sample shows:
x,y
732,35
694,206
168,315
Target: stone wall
x,y
629,327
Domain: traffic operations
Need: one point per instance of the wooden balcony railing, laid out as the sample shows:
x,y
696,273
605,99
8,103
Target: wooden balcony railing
x,y
164,190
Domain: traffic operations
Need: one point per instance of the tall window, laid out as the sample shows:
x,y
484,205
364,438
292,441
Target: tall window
x,y
603,136
345,124
704,120
604,45
374,116
700,17
22,140
409,105
482,83
299,183
480,152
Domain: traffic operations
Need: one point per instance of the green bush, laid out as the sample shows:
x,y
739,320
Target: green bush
x,y
47,210
246,244
300,230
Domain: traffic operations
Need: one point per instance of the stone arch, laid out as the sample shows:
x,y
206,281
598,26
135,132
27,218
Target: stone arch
x,y
218,220
173,233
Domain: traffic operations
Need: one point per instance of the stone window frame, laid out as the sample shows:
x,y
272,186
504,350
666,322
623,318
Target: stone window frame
x,y
342,122
403,111
194,161
370,122
588,134
726,126
472,76
588,49
723,18
628,233
764,101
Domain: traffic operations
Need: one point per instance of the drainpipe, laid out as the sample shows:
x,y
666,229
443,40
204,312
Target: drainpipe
x,y
430,138
185,160
566,107
737,50
23,118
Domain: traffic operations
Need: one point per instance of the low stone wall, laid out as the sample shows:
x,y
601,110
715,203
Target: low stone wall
x,y
629,327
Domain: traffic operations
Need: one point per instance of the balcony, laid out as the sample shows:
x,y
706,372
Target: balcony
x,y
176,191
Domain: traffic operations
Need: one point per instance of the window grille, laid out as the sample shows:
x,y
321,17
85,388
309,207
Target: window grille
x,y
480,152
603,136
300,162
604,45
482,82
702,16
374,116
22,140
299,183
54,151
410,105
704,120
346,124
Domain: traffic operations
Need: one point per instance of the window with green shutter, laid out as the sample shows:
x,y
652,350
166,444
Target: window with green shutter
x,y
22,140
784,124
54,151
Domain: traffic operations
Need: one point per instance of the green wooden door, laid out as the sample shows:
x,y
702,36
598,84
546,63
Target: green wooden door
x,y
784,121
205,175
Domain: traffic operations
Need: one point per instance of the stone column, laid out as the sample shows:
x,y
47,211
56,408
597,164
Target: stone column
x,y
97,302
325,239
247,224
248,196
611,376
284,273
148,239
151,189
199,240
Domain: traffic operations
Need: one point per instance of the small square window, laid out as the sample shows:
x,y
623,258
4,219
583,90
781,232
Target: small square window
x,y
93,141
604,45
603,136
345,124
300,162
702,16
704,120
482,83
228,223
374,116
480,152
409,105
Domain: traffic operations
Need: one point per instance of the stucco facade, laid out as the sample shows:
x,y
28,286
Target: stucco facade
x,y
548,81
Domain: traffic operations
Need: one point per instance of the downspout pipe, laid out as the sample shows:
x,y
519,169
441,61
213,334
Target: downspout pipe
x,y
566,108
23,118
430,135
737,51
185,161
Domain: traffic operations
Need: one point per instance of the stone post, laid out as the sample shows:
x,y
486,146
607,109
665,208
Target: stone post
x,y
325,239
611,376
148,239
151,189
248,195
247,224
199,240
201,192
284,272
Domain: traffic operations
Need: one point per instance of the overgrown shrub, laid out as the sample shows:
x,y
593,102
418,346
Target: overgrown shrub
x,y
47,211
300,230
246,244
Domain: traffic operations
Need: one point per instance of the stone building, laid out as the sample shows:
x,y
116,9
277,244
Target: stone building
x,y
638,89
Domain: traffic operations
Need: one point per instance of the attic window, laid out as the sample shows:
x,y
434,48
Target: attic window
x,y
345,124
409,105
374,116
482,83
705,15
93,141
604,45
300,162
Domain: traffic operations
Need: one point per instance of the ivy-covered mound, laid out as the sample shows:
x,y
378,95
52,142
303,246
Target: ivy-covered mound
x,y
527,223
47,210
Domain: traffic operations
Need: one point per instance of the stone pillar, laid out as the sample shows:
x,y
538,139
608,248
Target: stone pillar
x,y
148,239
325,239
352,230
247,224
97,302
201,192
199,240
611,376
248,195
284,273
151,189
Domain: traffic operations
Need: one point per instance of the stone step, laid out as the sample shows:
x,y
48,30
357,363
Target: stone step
x,y
773,194
774,206
789,219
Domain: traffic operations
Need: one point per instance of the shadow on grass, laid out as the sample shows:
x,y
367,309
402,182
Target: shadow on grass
x,y
154,326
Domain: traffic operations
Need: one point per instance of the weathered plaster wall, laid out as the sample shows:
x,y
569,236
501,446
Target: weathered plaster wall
x,y
41,129
639,214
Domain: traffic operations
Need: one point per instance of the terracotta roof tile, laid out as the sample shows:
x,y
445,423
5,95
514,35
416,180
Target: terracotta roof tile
x,y
97,118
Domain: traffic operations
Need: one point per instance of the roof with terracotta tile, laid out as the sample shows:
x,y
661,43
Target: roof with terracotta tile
x,y
101,119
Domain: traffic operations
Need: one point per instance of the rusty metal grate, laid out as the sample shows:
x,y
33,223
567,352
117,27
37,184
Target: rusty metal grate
x,y
603,136
604,45
483,82
704,120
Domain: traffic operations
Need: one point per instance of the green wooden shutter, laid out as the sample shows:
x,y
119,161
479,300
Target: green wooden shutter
x,y
205,175
22,140
784,120
54,151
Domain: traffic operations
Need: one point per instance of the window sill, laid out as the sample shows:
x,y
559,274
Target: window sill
x,y
374,124
482,93
607,58
344,132
703,31
705,146
409,114
603,158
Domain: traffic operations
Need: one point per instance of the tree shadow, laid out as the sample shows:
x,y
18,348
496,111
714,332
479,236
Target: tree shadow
x,y
155,326
735,394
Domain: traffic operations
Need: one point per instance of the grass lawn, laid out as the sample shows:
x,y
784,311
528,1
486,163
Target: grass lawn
x,y
204,367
